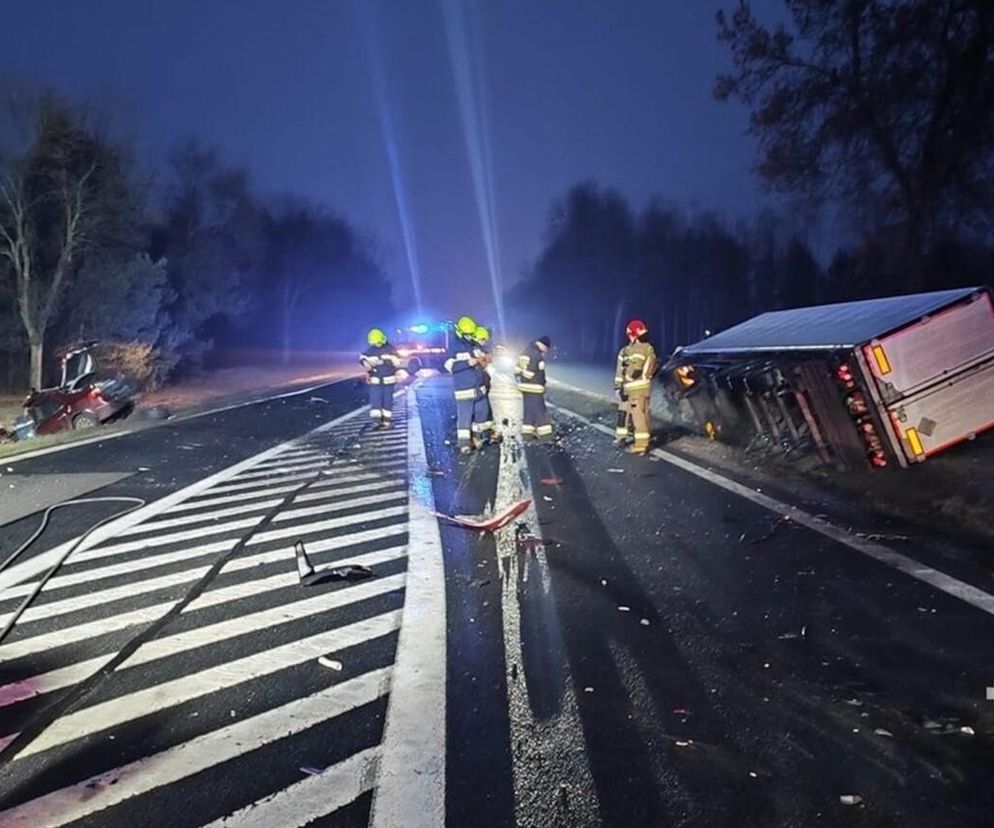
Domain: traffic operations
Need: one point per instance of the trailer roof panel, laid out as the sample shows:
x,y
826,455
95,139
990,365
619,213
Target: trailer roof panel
x,y
826,327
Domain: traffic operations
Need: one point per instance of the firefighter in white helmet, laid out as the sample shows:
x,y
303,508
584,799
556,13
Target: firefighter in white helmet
x,y
636,366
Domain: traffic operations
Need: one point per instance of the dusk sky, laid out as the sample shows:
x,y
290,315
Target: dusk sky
x,y
614,91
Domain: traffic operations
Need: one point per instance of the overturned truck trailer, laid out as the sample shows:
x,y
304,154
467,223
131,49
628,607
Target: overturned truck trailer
x,y
881,381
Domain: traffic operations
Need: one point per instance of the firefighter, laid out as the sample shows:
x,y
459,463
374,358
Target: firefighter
x,y
530,374
633,375
470,403
381,361
486,430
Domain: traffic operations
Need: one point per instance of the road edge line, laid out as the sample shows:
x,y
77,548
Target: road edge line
x,y
410,788
902,563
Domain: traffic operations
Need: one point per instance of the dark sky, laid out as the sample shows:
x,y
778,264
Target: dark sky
x,y
617,91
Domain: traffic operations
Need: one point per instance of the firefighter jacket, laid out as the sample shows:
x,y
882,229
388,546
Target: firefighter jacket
x,y
381,363
483,360
636,367
530,371
465,377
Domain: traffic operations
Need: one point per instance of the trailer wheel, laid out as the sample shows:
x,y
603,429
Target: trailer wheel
x,y
84,420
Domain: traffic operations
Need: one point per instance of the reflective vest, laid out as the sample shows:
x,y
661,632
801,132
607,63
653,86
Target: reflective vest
x,y
635,369
381,363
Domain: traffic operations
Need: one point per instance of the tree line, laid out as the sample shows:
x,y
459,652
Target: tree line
x,y
165,265
881,111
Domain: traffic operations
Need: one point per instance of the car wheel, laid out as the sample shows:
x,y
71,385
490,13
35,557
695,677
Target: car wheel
x,y
413,367
84,420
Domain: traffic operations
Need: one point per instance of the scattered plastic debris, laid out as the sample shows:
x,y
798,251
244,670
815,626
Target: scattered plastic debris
x,y
330,663
681,711
623,608
309,576
588,689
850,799
792,636
881,732
144,468
881,536
969,731
547,499
498,521
644,622
684,743
310,770
317,400
615,471
603,582
753,774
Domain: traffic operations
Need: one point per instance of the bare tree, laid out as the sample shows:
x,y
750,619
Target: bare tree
x,y
50,210
885,105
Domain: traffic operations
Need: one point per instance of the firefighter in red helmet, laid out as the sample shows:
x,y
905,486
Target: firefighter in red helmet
x,y
636,366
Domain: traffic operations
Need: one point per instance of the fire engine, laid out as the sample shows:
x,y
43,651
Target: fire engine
x,y
424,345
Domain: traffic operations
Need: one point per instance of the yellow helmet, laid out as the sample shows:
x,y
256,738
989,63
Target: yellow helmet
x,y
466,326
481,334
376,337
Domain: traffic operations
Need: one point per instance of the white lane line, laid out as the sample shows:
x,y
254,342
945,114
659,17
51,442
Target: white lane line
x,y
331,473
97,574
530,739
159,697
375,484
270,535
199,754
208,634
20,647
274,473
173,537
311,798
325,483
378,499
902,563
38,612
411,785
203,517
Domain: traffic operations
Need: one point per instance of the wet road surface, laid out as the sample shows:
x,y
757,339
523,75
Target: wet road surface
x,y
642,647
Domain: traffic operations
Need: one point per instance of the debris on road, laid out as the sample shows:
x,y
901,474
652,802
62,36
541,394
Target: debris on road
x,y
615,471
644,622
551,481
793,636
547,499
881,536
309,576
310,770
881,732
330,663
317,400
850,799
492,524
623,608
967,730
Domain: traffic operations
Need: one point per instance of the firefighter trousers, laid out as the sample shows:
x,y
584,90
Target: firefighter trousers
x,y
535,420
471,414
638,407
483,417
381,403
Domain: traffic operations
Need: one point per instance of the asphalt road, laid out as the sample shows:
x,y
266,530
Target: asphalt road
x,y
643,646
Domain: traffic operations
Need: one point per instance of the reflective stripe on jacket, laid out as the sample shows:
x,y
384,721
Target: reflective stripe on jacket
x,y
381,363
